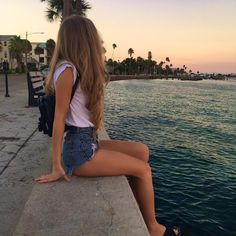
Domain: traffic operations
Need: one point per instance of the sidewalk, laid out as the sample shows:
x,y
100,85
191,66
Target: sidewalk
x,y
18,165
106,204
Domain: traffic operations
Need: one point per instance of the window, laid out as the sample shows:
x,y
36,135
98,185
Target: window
x,y
5,54
5,43
41,59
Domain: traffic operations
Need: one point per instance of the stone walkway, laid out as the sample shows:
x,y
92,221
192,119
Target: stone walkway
x,y
18,162
17,121
25,154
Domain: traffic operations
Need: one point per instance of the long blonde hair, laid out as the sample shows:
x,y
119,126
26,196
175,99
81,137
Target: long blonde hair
x,y
78,42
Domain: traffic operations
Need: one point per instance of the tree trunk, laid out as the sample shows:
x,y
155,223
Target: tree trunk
x,y
67,9
78,7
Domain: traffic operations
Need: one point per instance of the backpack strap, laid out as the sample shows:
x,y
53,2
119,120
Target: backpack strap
x,y
75,85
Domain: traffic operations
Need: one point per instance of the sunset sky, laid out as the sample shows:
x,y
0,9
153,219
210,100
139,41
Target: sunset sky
x,y
200,34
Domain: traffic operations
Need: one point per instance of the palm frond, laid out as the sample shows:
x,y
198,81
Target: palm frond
x,y
55,7
85,6
52,15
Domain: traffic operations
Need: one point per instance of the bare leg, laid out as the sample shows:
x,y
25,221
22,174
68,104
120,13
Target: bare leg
x,y
134,149
131,148
111,163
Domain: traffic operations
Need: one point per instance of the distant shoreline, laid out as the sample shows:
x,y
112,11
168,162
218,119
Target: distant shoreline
x,y
150,77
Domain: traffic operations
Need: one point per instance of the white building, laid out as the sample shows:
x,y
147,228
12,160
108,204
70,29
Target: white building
x,y
31,57
42,58
5,52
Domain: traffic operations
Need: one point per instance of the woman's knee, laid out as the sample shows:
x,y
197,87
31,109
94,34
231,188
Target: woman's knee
x,y
143,152
145,172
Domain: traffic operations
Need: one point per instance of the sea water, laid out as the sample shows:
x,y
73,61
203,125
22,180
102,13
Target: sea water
x,y
190,129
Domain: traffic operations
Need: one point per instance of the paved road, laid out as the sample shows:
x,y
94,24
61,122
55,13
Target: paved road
x,y
24,152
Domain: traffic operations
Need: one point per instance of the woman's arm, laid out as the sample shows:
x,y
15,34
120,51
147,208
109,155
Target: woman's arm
x,y
64,86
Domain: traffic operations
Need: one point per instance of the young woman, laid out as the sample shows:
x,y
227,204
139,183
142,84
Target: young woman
x,y
79,50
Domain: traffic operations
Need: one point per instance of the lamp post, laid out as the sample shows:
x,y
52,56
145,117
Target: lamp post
x,y
26,36
6,69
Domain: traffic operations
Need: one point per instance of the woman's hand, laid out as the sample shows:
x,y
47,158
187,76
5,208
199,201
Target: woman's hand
x,y
57,173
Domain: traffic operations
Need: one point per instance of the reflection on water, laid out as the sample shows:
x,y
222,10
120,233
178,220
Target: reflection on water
x,y
190,128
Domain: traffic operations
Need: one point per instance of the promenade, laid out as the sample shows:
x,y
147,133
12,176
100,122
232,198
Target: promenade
x,y
28,208
20,159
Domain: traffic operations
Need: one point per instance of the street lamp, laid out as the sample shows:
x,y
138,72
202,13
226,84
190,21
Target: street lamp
x,y
26,36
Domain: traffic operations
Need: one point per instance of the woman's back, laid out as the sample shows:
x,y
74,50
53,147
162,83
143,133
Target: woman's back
x,y
78,114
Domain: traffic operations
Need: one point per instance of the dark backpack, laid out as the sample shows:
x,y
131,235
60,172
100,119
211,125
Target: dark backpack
x,y
47,109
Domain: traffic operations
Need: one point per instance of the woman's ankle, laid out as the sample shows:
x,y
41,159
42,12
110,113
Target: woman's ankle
x,y
156,229
155,225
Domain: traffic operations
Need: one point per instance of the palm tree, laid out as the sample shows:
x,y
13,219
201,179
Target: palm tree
x,y
50,45
171,65
161,63
38,51
160,69
177,71
27,47
149,55
149,62
113,64
131,52
114,47
185,68
55,8
140,65
17,47
167,67
167,70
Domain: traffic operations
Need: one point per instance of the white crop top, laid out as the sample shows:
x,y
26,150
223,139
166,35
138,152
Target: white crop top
x,y
78,115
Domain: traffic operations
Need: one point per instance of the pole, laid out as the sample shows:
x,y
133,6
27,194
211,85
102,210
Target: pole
x,y
5,69
26,67
6,82
26,39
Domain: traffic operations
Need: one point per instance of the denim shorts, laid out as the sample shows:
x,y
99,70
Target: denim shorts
x,y
79,146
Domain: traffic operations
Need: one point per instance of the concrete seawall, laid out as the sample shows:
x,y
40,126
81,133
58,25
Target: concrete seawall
x,y
84,206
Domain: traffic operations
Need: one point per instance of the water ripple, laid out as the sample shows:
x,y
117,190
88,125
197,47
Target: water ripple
x,y
190,129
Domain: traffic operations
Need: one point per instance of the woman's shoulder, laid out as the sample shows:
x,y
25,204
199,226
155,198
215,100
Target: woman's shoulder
x,y
61,66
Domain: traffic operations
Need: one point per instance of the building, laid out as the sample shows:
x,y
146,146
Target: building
x,y
4,50
32,58
41,58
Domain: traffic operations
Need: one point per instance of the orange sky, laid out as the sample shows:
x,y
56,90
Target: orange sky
x,y
200,34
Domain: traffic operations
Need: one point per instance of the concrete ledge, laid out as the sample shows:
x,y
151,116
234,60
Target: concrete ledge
x,y
94,206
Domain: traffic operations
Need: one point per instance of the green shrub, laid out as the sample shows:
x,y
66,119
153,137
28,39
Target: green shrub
x,y
43,67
